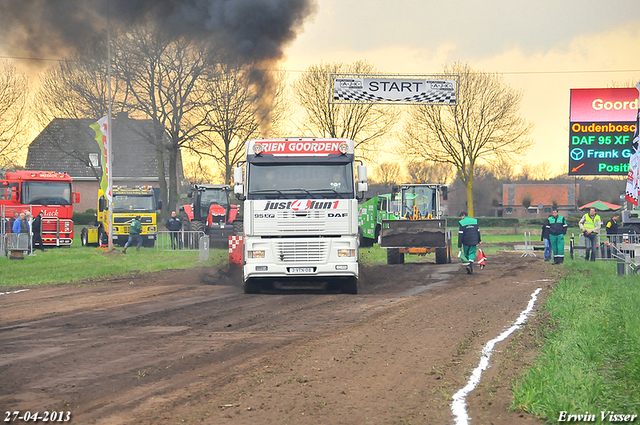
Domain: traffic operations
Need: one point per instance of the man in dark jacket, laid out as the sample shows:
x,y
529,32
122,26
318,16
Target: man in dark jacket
x,y
174,224
557,229
547,241
612,225
36,227
468,238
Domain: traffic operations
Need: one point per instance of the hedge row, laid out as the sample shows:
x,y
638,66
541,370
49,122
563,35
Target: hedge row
x,y
84,218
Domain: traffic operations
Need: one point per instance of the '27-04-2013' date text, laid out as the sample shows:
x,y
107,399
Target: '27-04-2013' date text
x,y
46,416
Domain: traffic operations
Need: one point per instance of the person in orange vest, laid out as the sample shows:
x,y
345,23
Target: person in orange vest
x,y
590,225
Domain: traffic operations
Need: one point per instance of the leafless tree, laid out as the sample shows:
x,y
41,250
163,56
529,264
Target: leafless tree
x,y
364,123
430,172
14,87
484,125
165,83
388,173
78,88
230,104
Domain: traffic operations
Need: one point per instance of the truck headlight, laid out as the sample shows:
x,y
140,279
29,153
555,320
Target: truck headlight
x,y
346,253
152,229
256,254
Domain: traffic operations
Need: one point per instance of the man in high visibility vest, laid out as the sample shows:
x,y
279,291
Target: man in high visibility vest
x,y
590,225
557,226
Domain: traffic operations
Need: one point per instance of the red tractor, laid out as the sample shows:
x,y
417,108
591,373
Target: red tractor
x,y
212,213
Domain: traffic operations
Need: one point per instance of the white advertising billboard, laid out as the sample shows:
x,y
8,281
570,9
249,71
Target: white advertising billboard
x,y
395,89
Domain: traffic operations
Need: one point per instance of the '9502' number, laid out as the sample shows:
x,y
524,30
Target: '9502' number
x,y
262,215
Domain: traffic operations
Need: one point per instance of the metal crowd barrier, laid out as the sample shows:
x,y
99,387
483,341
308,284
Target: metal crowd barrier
x,y
187,241
607,245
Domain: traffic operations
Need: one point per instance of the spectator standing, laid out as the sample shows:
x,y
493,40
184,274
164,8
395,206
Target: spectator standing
x,y
16,227
36,227
612,225
547,241
174,225
468,238
134,234
590,225
557,229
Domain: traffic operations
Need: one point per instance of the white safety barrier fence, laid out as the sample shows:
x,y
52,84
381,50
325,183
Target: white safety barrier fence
x,y
186,241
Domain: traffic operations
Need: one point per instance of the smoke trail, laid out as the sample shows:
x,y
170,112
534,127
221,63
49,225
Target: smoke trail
x,y
255,31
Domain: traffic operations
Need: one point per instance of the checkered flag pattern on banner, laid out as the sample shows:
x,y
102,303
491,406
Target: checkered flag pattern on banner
x,y
363,96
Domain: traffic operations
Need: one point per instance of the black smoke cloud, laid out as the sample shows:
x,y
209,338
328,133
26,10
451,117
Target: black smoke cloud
x,y
255,30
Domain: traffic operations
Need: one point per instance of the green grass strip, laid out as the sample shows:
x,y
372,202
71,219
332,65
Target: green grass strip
x,y
590,358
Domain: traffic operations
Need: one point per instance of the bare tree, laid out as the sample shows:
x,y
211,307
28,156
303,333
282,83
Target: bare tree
x,y
388,173
364,123
430,172
484,125
230,103
164,81
13,102
78,87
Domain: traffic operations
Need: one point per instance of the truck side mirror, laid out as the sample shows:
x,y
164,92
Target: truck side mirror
x,y
237,176
159,205
445,193
238,190
102,204
362,173
75,197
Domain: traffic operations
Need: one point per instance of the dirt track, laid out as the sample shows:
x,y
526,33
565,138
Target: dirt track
x,y
189,347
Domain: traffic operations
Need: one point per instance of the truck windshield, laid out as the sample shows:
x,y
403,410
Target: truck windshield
x,y
293,181
138,203
46,193
420,196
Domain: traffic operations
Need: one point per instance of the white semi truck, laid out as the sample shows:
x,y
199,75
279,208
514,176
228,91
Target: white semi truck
x,y
300,213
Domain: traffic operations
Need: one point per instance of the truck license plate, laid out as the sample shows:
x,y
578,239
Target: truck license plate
x,y
301,269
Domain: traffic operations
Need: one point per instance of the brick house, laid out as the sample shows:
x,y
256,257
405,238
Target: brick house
x,y
540,199
69,146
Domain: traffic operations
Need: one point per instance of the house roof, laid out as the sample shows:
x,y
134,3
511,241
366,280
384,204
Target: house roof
x,y
65,144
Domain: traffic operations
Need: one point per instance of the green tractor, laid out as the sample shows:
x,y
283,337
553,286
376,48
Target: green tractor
x,y
408,221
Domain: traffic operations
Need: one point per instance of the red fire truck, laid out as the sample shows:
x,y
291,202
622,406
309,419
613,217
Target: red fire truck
x,y
44,191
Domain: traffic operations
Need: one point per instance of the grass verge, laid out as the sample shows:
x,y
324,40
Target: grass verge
x,y
590,357
77,263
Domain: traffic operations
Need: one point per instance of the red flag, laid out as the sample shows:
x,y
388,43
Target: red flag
x,y
481,258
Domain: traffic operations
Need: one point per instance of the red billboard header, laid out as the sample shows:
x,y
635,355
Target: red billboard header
x,y
603,105
301,146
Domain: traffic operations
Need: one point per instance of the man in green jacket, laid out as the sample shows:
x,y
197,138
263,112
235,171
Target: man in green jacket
x,y
134,234
468,238
557,226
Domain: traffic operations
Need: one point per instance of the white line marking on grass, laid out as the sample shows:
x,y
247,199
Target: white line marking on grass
x,y
13,292
459,405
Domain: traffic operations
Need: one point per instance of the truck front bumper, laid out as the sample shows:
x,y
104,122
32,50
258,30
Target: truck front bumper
x,y
301,259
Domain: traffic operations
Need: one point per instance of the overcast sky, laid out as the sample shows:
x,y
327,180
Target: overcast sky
x,y
544,48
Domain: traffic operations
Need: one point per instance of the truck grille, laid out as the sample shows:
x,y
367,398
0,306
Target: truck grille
x,y
303,222
302,252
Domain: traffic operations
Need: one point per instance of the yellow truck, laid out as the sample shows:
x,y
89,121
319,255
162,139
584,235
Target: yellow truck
x,y
127,204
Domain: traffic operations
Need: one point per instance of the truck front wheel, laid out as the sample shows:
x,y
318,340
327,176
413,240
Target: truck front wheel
x,y
441,255
84,236
350,286
251,286
394,256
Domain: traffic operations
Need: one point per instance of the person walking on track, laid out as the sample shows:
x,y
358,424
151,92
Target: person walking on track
x,y
468,238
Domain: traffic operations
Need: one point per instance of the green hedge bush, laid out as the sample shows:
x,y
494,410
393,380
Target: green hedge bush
x,y
84,218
